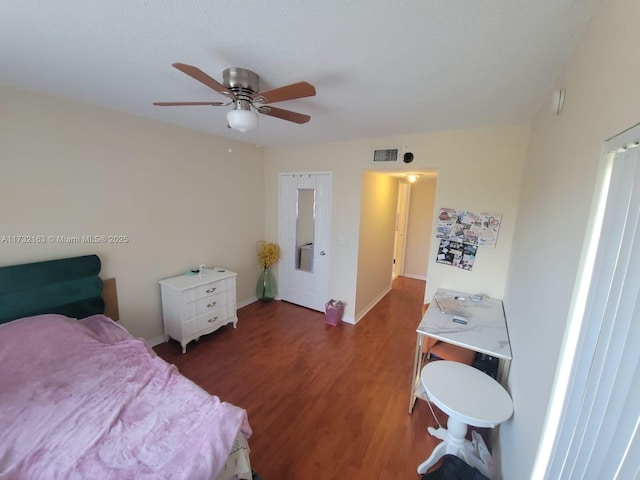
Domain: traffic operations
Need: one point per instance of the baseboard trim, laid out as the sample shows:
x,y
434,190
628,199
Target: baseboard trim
x,y
371,305
155,341
416,277
348,319
246,302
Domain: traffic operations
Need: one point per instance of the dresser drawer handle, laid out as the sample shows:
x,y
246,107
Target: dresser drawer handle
x,y
211,290
212,304
211,320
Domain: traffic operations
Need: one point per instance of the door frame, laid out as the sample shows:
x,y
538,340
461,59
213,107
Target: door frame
x,y
402,224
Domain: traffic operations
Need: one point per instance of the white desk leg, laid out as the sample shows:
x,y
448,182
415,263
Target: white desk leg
x,y
503,371
416,372
453,439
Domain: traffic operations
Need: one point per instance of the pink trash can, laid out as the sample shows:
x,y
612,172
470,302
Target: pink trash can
x,y
333,312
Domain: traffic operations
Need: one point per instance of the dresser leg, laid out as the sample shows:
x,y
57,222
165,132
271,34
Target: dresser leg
x,y
184,348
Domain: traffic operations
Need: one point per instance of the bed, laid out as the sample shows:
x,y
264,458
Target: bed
x,y
81,398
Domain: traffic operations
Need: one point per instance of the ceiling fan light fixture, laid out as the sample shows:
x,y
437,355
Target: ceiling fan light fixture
x,y
242,120
241,87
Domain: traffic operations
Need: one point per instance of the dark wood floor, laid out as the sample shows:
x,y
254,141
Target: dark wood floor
x,y
324,402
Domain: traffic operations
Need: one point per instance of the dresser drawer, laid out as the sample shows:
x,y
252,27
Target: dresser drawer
x,y
207,304
203,291
204,305
210,320
210,289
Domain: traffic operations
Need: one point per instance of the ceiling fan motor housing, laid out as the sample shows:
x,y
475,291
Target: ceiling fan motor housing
x,y
240,81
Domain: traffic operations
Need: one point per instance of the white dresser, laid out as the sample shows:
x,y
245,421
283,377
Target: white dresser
x,y
194,305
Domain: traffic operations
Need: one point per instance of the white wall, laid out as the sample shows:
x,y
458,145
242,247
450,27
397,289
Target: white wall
x,y
602,99
419,231
377,233
179,196
477,170
480,171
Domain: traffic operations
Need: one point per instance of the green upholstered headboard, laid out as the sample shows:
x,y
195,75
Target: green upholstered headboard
x,y
68,286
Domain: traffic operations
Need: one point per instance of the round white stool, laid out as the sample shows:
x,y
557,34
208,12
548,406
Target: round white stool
x,y
469,396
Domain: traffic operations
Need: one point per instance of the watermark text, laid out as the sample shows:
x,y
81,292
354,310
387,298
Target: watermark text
x,y
63,239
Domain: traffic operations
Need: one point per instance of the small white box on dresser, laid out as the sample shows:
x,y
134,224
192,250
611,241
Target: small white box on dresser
x,y
195,305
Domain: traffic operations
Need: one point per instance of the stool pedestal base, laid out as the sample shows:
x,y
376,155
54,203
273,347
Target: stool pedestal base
x,y
453,439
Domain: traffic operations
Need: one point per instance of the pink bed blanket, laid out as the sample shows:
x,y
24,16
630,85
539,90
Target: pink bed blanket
x,y
85,400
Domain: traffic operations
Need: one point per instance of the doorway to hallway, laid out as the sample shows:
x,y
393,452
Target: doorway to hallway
x,y
395,222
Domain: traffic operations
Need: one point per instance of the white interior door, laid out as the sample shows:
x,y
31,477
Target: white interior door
x,y
402,217
305,207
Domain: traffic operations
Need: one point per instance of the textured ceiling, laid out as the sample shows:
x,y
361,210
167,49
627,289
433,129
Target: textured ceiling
x,y
380,67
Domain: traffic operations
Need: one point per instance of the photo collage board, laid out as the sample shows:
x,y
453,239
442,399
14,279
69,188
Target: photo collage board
x,y
461,233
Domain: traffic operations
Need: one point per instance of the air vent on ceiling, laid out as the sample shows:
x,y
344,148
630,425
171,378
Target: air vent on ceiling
x,y
386,155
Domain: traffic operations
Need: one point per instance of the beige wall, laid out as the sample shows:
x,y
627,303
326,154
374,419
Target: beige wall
x,y
71,169
602,99
421,207
377,233
477,170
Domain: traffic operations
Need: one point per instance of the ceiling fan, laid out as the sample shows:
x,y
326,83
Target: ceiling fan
x,y
241,87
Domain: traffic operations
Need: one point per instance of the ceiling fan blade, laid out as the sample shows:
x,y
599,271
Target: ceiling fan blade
x,y
284,114
289,92
202,77
180,104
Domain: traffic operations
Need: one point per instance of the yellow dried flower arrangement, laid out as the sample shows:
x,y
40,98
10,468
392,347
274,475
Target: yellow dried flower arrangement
x,y
268,253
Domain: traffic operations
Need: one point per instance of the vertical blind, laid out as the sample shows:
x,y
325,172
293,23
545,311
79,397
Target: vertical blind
x,y
598,435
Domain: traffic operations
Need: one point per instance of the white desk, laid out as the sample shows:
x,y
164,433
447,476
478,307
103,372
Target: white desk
x,y
485,332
